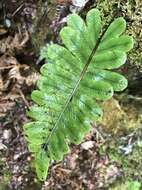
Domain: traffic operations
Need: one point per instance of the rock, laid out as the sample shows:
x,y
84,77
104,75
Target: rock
x,y
120,118
7,134
2,146
87,145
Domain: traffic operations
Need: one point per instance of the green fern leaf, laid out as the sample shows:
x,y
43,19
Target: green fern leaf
x,y
76,76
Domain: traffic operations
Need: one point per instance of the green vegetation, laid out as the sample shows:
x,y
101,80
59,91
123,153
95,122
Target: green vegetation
x,y
74,80
5,178
128,157
128,185
131,11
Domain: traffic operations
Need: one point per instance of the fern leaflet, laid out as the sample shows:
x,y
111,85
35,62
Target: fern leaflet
x,y
76,77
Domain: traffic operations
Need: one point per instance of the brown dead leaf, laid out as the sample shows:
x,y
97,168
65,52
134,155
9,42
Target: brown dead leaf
x,y
5,106
9,44
13,75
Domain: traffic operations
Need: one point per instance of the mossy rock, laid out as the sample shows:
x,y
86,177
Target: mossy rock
x,y
119,119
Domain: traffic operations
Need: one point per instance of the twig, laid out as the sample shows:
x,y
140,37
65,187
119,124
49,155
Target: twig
x,y
17,10
24,99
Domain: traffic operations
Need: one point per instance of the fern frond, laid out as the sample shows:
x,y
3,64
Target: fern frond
x,y
76,76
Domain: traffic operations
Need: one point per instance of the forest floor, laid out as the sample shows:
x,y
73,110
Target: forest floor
x,y
110,157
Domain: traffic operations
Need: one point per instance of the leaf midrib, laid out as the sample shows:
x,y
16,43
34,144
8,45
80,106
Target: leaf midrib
x,y
77,84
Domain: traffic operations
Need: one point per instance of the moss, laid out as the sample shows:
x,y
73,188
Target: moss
x,y
128,185
130,162
131,10
121,116
5,175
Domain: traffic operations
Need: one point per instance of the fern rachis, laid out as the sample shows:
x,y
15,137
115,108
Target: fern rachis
x,y
76,76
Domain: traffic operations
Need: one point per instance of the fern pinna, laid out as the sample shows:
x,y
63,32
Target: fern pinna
x,y
76,76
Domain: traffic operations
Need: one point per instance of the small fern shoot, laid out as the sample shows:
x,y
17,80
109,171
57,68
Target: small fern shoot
x,y
77,75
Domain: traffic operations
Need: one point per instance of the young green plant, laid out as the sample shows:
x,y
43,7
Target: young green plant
x,y
77,75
